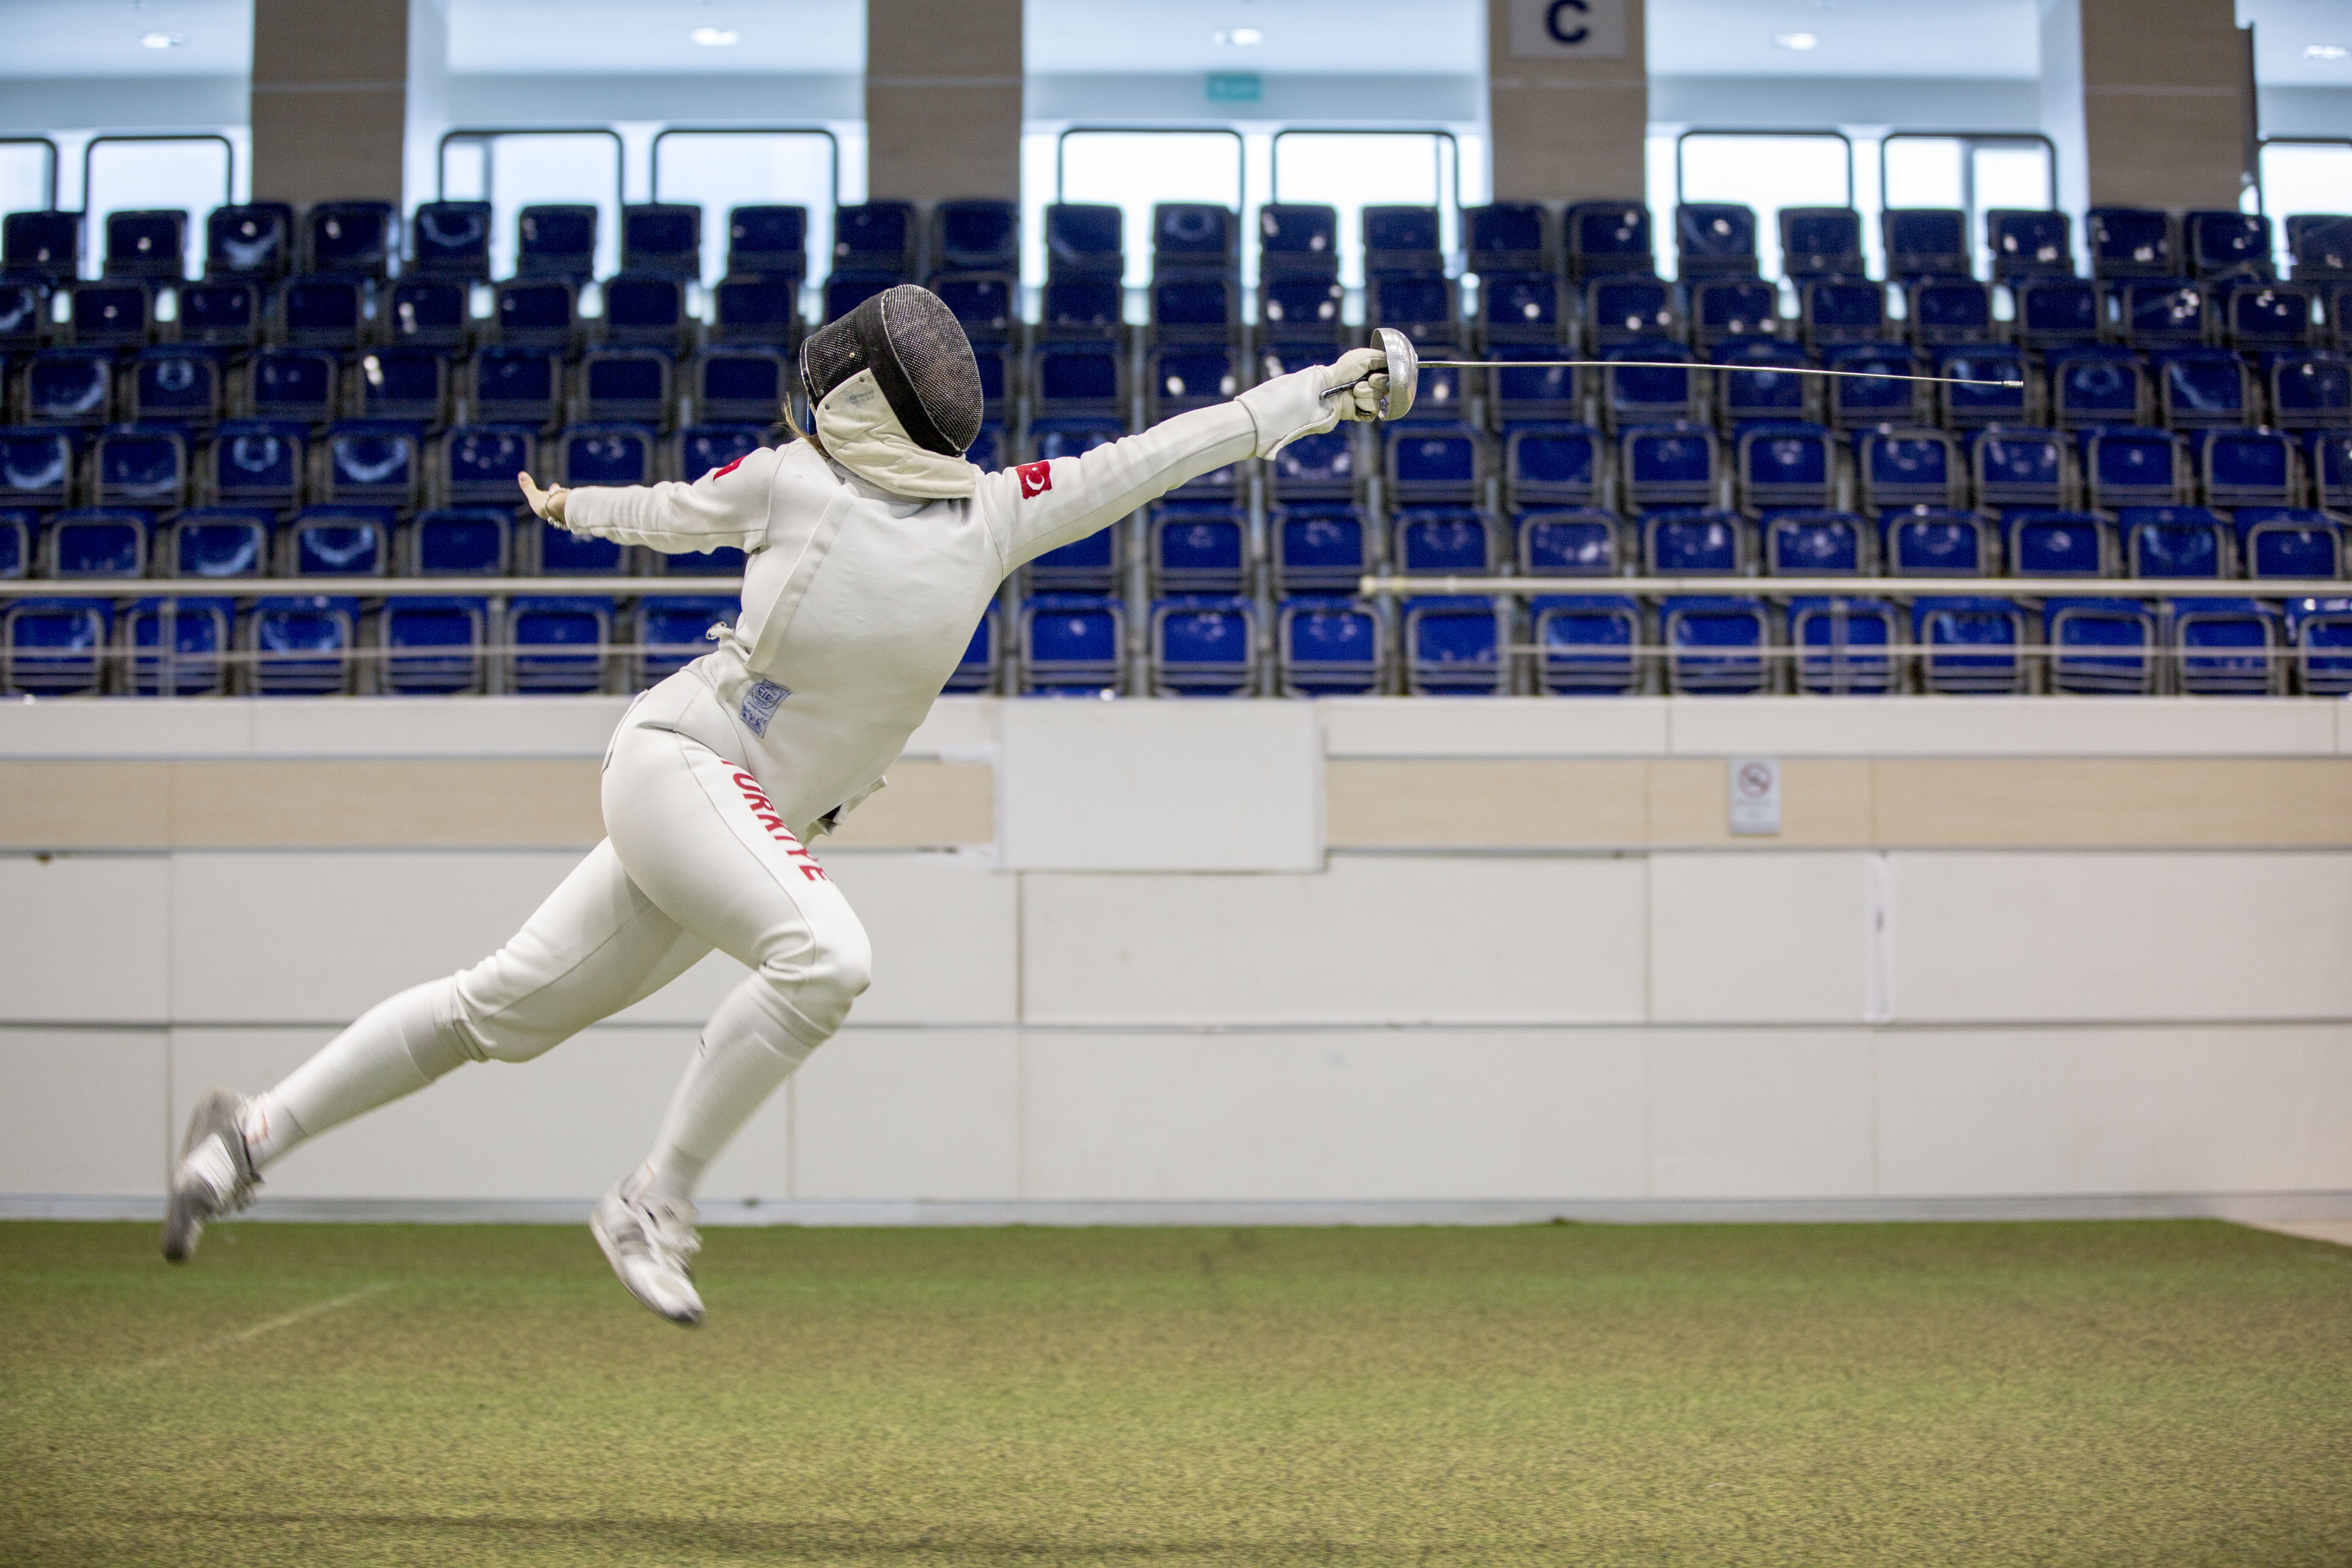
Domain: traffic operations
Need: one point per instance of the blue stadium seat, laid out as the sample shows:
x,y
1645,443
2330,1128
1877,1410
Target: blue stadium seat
x,y
2054,313
1910,468
976,235
2174,542
1445,542
661,240
95,542
646,311
984,303
1570,542
1189,375
1320,548
536,313
1429,465
1586,644
319,310
1202,646
845,291
1085,239
515,386
629,386
1969,647
738,385
36,468
558,240
1845,647
217,542
2123,466
1521,308
2270,316
1194,238
2019,467
1073,645
477,464
764,312
1765,390
1779,465
2311,391
2094,386
428,313
2227,244
1456,646
2029,244
258,462
140,467
1728,310
605,455
110,315
1442,395
2328,458
1677,465
434,646
450,241
2100,646
2202,389
1925,242
1715,646
1095,565
2227,647
337,541
19,526
357,239
2289,542
2320,632
252,240
1538,393
671,632
1950,310
989,449
174,646
1839,310
298,385
1325,466
2164,313
44,244
1975,406
703,450
1079,378
1555,464
1694,543
404,382
1198,548
553,551
1605,236
372,463
24,314
1302,308
2320,244
1330,647
558,644
1509,237
53,648
1818,543
2052,543
1401,240
980,671
1423,306
1936,541
459,542
1191,308
877,237
1071,437
1298,239
1632,395
1631,308
181,387
1820,242
2133,242
1714,238
1860,403
767,241
302,646
2249,468
152,243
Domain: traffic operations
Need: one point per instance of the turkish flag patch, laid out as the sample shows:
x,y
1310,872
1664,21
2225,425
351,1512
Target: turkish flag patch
x,y
1036,478
722,473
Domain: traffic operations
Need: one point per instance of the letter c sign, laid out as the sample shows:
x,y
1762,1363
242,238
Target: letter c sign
x,y
1564,21
1569,29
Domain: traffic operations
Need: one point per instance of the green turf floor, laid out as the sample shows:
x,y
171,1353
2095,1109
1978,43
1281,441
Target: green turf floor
x,y
2145,1394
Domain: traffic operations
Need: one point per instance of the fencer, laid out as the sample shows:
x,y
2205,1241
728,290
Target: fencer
x,y
874,549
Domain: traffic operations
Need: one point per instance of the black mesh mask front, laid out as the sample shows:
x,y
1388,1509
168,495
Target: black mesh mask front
x,y
918,352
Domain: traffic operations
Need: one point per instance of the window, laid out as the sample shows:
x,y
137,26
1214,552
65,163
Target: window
x,y
1353,170
129,174
1974,174
513,170
2302,177
721,170
1135,169
28,173
1766,170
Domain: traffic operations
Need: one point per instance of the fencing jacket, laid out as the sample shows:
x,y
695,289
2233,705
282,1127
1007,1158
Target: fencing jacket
x,y
858,603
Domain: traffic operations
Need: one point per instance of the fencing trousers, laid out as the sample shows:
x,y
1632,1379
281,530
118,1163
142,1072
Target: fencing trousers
x,y
696,858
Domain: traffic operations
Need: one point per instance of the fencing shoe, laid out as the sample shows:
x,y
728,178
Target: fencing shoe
x,y
215,1176
650,1242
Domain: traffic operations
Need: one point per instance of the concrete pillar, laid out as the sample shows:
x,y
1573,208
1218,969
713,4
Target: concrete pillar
x,y
2167,102
329,98
1569,99
944,98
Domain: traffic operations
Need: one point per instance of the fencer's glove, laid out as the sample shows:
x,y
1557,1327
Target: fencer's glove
x,y
547,503
1357,385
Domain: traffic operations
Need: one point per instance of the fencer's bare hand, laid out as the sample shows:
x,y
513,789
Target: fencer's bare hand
x,y
1358,383
547,503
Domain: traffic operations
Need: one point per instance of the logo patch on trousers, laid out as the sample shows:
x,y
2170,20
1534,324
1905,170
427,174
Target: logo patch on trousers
x,y
764,812
759,705
1036,478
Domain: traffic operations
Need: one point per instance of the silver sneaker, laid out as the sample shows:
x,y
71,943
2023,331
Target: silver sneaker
x,y
215,1176
651,1244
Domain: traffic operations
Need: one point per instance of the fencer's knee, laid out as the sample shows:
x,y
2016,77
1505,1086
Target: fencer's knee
x,y
495,1035
818,986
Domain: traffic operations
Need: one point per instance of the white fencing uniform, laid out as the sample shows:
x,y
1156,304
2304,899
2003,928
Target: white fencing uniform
x,y
859,603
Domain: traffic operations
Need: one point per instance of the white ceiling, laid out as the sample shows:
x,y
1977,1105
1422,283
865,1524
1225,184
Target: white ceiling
x,y
652,38
1945,38
100,37
1322,38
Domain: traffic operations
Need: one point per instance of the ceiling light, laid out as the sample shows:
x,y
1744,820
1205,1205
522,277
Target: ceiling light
x,y
1796,40
2324,51
162,40
715,37
1241,36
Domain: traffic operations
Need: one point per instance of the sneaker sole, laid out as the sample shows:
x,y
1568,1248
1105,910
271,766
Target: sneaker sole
x,y
613,1256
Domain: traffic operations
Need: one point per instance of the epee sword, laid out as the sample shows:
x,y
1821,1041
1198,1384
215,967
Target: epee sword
x,y
1404,364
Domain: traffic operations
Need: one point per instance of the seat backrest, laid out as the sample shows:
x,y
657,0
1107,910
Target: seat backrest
x,y
1714,237
1298,237
2321,244
556,239
879,237
1401,240
976,235
1085,239
1817,242
1195,236
451,240
1508,236
1925,242
1608,237
252,240
2030,243
45,244
152,244
356,237
2133,242
2219,243
662,239
767,241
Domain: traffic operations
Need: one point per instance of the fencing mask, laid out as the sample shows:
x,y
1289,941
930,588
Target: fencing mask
x,y
919,356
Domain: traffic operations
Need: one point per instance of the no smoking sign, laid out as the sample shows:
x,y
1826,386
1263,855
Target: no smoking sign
x,y
1754,796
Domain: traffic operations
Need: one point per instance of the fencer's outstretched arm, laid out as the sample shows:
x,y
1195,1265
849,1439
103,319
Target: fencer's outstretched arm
x,y
725,506
1044,506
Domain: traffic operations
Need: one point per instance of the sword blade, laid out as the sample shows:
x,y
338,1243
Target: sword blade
x,y
1683,364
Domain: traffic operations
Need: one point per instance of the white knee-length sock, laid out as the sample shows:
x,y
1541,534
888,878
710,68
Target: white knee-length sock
x,y
752,1044
395,1049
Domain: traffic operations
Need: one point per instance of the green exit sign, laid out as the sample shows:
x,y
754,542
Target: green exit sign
x,y
1233,86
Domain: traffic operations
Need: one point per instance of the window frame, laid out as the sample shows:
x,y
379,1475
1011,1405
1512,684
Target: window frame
x,y
49,181
490,165
2262,196
1969,141
1792,131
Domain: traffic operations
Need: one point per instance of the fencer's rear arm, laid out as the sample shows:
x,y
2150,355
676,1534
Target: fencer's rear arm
x,y
1044,506
725,506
